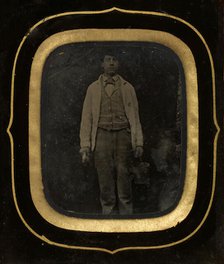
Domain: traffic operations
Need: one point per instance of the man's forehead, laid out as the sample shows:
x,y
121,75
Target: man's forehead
x,y
110,56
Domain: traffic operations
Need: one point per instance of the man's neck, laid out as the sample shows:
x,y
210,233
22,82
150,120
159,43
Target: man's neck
x,y
110,75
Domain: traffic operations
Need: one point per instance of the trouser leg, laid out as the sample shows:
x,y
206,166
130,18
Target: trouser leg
x,y
124,181
104,164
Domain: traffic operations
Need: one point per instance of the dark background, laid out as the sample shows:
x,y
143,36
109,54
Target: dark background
x,y
17,244
156,73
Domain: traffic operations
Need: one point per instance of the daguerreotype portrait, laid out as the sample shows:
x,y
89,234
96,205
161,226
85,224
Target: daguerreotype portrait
x,y
112,120
98,100
114,135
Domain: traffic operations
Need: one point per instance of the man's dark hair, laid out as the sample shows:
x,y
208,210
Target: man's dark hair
x,y
109,52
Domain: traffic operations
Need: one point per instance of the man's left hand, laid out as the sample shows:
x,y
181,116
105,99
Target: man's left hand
x,y
138,152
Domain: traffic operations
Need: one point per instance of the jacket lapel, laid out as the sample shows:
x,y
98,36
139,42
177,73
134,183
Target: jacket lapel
x,y
97,100
126,98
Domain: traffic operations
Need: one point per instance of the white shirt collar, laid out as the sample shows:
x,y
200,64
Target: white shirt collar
x,y
115,77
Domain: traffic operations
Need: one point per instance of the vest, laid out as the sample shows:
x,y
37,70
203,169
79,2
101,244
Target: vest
x,y
112,112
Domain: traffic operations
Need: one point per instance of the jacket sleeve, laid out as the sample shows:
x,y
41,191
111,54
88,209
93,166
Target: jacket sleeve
x,y
139,134
86,121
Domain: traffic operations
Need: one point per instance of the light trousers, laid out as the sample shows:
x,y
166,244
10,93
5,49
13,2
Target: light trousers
x,y
112,157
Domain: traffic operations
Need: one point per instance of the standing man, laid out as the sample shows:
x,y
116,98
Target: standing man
x,y
111,129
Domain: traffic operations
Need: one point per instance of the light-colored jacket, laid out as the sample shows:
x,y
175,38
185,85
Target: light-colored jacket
x,y
91,113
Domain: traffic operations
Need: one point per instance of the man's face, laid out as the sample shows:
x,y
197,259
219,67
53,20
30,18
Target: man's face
x,y
110,65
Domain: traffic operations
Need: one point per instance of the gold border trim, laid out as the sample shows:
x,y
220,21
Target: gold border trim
x,y
43,238
113,225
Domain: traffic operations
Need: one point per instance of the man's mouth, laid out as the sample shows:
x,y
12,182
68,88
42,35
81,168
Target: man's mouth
x,y
111,68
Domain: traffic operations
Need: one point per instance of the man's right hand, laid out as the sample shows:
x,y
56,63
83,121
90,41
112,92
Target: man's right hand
x,y
85,153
